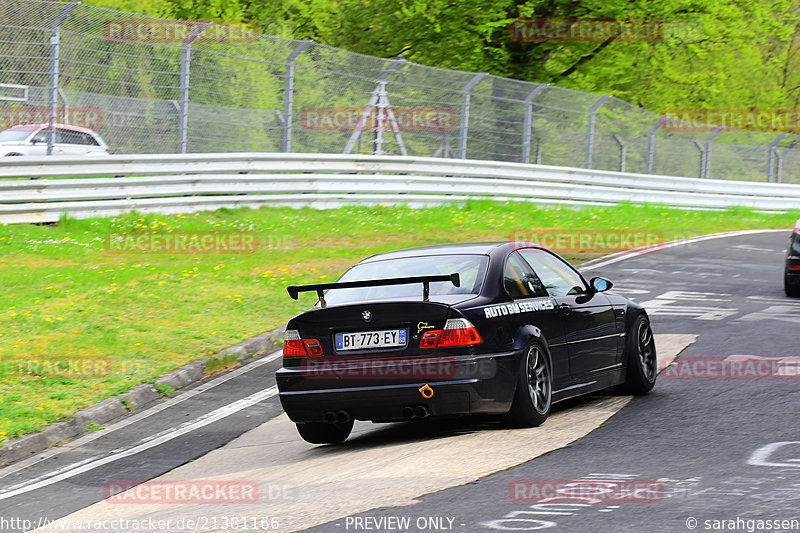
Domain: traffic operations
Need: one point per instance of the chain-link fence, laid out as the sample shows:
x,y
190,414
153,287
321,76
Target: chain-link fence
x,y
152,85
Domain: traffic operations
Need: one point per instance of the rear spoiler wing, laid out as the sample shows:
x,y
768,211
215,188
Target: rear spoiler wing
x,y
320,288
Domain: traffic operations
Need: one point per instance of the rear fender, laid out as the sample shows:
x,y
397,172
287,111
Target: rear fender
x,y
525,334
528,333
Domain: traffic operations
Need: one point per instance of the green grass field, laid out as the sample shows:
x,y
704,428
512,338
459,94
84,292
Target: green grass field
x,y
82,319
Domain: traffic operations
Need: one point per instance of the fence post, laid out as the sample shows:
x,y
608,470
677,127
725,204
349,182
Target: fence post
x,y
706,159
779,170
288,95
621,152
771,155
527,122
590,129
55,45
183,113
651,145
462,139
702,156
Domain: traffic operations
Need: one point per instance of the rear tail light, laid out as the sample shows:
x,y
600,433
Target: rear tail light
x,y
459,332
797,228
293,345
456,332
109,151
313,347
430,339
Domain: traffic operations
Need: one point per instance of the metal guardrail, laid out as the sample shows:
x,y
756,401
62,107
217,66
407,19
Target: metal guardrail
x,y
181,183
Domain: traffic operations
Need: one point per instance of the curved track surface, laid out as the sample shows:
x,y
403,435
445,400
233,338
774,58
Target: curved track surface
x,y
703,449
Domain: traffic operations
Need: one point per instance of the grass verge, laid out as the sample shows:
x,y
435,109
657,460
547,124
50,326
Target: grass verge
x,y
83,318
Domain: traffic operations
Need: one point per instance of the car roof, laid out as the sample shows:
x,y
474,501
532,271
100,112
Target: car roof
x,y
32,127
477,248
25,127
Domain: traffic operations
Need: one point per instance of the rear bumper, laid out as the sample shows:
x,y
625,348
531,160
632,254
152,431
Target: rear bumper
x,y
472,390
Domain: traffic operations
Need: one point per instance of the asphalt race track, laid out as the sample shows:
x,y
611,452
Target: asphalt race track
x,y
702,452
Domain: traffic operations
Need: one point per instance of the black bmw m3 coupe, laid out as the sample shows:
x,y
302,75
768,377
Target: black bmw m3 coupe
x,y
497,328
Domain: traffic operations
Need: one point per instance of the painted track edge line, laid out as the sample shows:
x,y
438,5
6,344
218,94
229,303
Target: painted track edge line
x,y
630,254
156,440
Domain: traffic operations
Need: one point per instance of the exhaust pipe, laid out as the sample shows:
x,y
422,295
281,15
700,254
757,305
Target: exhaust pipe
x,y
329,417
343,416
408,412
421,411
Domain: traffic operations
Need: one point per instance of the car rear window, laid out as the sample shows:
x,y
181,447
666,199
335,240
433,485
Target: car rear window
x,y
471,268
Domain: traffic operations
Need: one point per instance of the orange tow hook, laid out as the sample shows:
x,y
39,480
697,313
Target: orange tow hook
x,y
426,391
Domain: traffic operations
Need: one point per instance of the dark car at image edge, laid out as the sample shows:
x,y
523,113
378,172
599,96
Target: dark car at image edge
x,y
493,328
791,274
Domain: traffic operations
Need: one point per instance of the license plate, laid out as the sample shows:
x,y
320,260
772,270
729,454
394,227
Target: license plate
x,y
367,340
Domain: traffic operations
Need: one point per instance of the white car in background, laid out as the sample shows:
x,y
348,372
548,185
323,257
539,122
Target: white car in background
x,y
31,139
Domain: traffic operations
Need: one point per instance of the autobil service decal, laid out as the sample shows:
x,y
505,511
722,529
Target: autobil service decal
x,y
515,308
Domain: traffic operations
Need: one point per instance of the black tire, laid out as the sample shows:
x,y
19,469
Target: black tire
x,y
324,433
792,290
533,396
641,360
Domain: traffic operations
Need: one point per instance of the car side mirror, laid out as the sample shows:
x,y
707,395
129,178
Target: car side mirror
x,y
600,284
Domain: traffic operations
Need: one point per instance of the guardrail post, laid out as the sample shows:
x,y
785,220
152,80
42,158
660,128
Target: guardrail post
x,y
288,96
528,120
464,127
183,113
621,152
706,158
771,154
55,46
651,145
590,129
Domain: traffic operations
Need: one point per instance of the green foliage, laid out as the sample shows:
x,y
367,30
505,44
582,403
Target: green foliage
x,y
716,53
164,390
216,363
